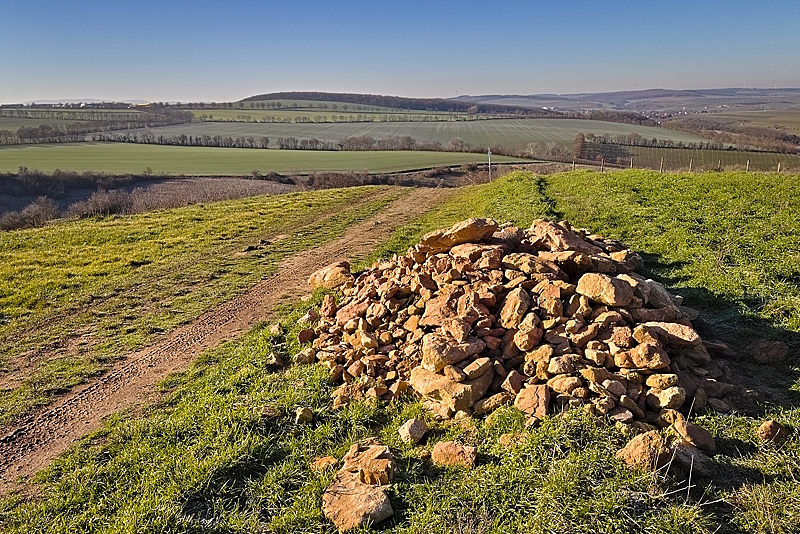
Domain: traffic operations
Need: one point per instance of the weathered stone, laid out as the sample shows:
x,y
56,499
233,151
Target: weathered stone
x,y
513,382
561,365
439,350
604,289
647,451
328,308
671,398
351,311
557,238
413,430
514,307
530,264
533,400
696,435
662,380
768,352
644,356
772,431
621,414
490,404
373,463
303,415
477,367
305,356
719,405
528,337
453,453
468,231
348,502
306,336
564,384
692,460
333,276
676,334
456,396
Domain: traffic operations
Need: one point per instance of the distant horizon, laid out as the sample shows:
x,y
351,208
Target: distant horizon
x,y
172,102
222,51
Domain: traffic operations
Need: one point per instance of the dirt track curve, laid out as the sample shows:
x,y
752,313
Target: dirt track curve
x,y
32,444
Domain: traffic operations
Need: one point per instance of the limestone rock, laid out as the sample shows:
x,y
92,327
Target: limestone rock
x,y
469,231
647,451
348,502
533,400
373,463
768,352
453,453
333,276
604,289
696,435
772,431
413,430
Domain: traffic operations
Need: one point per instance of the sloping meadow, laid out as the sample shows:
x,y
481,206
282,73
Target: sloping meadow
x,y
222,452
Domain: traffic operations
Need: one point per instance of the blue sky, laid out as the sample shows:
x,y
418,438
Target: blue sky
x,y
218,51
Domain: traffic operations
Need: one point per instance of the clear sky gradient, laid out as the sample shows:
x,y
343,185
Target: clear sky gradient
x,y
220,51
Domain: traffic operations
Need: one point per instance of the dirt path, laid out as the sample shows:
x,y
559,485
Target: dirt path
x,y
35,442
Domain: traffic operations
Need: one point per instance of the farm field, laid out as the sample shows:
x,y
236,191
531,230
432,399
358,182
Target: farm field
x,y
203,459
13,123
351,114
676,159
513,134
785,119
121,158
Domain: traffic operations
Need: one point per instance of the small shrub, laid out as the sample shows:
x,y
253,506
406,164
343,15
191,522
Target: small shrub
x,y
36,214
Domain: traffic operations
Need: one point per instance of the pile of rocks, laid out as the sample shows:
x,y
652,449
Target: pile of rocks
x,y
477,316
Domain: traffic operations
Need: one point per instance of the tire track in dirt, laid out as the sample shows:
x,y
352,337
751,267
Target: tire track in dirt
x,y
33,443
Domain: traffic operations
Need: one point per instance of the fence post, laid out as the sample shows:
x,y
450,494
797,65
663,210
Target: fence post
x,y
573,164
603,165
747,169
661,167
779,167
719,165
631,163
691,160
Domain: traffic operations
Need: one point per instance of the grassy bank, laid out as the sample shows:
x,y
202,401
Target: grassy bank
x,y
85,292
203,460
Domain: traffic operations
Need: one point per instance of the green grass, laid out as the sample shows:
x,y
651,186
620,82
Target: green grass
x,y
87,292
121,158
203,461
513,134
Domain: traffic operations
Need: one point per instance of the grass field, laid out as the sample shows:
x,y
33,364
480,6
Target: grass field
x,y
680,158
784,119
13,124
204,461
121,158
513,134
89,291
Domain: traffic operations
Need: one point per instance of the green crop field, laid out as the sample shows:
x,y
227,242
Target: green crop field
x,y
680,159
13,123
121,158
204,460
323,115
513,134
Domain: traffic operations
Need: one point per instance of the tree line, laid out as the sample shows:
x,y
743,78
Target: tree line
x,y
424,104
75,132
